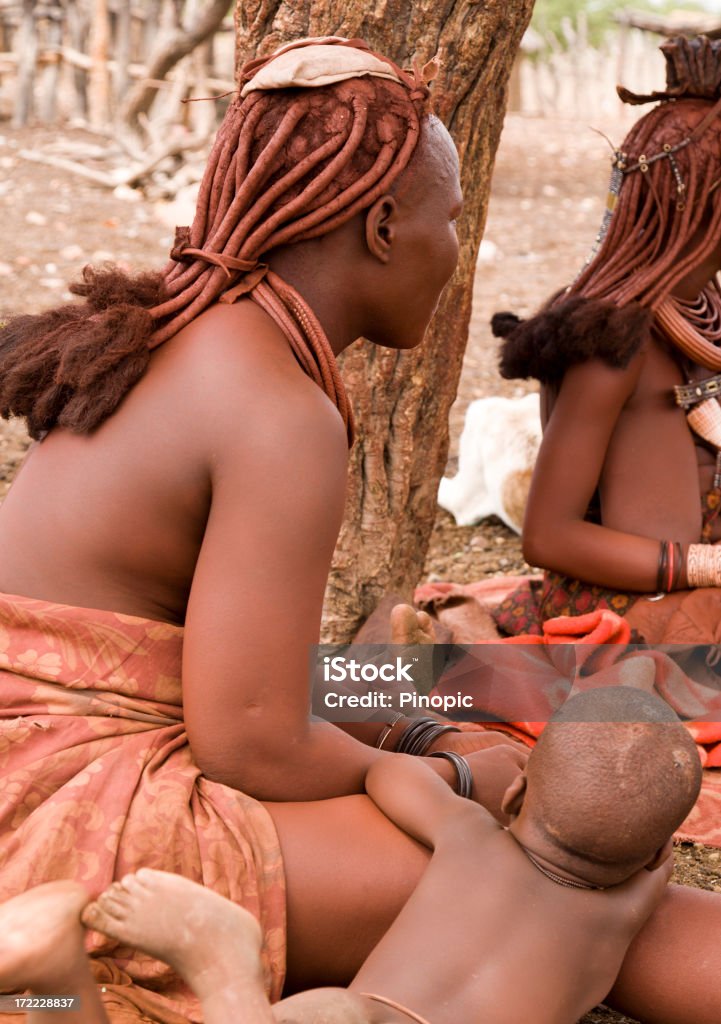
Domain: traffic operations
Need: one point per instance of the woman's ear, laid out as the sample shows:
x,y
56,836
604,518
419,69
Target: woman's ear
x,y
380,225
514,796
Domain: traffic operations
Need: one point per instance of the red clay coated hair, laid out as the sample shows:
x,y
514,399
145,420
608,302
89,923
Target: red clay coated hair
x,y
287,165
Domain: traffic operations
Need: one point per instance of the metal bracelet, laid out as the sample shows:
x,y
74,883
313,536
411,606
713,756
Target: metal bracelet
x,y
463,771
420,734
388,729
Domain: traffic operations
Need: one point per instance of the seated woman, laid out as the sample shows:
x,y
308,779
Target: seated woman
x,y
555,899
165,548
627,486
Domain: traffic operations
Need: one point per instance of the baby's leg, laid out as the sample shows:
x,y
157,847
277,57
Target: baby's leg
x,y
213,944
43,951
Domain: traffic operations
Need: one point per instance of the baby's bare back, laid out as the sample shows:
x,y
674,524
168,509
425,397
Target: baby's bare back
x,y
524,947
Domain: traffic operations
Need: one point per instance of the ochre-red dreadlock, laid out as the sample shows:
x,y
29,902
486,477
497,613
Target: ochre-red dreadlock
x,y
653,239
287,165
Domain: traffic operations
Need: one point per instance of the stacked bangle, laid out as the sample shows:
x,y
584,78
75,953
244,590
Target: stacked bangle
x,y
463,771
420,734
670,560
703,565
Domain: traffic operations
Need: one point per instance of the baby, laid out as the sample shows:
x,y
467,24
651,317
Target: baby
x,y
528,922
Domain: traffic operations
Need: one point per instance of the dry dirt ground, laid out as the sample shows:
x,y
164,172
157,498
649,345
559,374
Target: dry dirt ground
x,y
548,194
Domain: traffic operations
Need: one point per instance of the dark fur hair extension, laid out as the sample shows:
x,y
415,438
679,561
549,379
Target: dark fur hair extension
x,y
103,287
572,331
505,323
73,365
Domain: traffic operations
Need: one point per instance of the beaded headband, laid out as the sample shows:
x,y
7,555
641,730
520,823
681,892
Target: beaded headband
x,y
693,71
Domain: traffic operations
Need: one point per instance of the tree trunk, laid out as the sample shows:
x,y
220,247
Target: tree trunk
x,y
78,33
401,401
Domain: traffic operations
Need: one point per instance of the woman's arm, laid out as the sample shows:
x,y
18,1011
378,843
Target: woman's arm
x,y
276,454
645,469
278,487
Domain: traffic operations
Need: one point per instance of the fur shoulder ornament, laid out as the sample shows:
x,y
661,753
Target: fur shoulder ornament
x,y
567,332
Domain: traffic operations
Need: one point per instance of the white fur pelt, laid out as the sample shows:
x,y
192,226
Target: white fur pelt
x,y
497,452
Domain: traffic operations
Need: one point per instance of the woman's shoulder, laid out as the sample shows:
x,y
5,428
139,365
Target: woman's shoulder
x,y
233,366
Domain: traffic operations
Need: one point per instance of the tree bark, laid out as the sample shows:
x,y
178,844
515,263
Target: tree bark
x,y
78,32
401,401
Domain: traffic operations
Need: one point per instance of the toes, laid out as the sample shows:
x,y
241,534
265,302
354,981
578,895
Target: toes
x,y
106,916
112,906
92,915
113,891
143,879
131,884
148,875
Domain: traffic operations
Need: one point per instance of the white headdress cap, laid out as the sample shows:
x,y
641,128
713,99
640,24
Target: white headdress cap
x,y
316,65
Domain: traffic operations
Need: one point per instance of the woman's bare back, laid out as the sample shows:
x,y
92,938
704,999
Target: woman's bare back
x,y
116,519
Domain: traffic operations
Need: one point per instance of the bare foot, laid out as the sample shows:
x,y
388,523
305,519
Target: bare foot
x,y
410,627
213,944
42,945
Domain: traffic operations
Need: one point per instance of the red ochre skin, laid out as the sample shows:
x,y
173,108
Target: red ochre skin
x,y
212,497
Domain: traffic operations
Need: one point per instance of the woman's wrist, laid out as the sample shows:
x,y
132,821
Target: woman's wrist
x,y
464,776
391,732
683,583
420,734
444,769
671,567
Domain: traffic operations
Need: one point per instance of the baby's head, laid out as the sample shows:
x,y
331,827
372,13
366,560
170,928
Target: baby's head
x,y
612,776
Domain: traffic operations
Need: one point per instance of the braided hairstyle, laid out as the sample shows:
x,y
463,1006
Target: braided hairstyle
x,y
657,234
288,165
654,237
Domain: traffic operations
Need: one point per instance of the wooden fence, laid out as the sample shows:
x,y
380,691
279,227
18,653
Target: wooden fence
x,y
567,77
105,61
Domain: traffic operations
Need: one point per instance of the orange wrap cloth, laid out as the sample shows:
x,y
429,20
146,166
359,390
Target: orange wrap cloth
x,y
525,678
97,780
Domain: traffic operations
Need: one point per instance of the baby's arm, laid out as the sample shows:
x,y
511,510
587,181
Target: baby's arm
x,y
413,796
